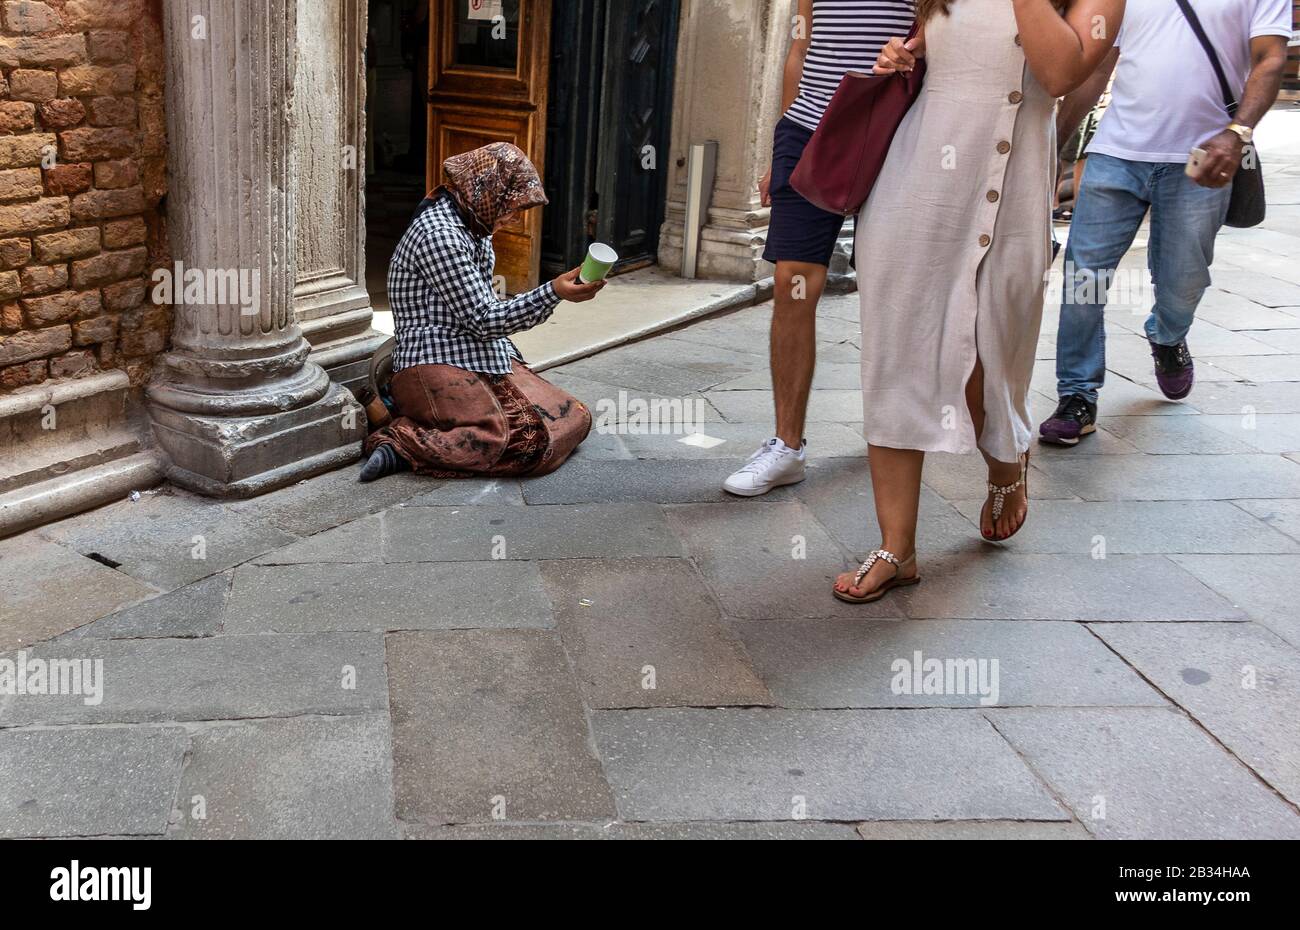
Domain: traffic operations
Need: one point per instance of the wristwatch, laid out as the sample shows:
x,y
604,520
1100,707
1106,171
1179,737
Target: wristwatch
x,y
1244,133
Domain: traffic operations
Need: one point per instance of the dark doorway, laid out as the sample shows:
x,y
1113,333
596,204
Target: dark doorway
x,y
608,129
397,67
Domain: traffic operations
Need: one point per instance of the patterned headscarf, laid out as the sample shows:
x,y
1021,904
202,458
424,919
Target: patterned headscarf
x,y
492,181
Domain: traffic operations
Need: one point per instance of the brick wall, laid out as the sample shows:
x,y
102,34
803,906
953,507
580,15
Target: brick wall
x,y
82,171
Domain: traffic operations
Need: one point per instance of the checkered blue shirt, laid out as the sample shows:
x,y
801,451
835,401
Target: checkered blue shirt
x,y
445,311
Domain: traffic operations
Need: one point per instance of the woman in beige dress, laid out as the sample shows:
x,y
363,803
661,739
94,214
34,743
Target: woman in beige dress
x,y
954,244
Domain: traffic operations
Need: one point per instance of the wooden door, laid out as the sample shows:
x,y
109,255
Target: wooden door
x,y
488,67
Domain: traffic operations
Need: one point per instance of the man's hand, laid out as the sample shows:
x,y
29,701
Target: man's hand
x,y
1222,159
571,289
765,189
899,55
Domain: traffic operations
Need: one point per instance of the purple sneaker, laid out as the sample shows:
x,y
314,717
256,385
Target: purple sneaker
x,y
1175,372
1075,417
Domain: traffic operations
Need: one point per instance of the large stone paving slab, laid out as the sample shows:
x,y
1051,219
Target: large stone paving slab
x,y
358,541
468,491
1151,772
768,560
1171,436
88,781
835,406
839,494
416,596
1175,477
1237,679
587,531
488,725
938,663
194,610
169,540
1239,398
786,830
330,499
47,589
1262,586
1281,515
647,633
973,830
1002,584
730,764
1140,527
1276,433
666,482
219,678
305,778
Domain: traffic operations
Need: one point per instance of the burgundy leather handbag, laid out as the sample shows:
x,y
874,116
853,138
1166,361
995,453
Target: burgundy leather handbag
x,y
843,158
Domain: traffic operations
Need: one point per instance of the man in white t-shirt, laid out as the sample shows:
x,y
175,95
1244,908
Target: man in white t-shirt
x,y
1166,101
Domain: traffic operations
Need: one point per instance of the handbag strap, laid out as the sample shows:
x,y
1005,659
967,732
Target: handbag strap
x,y
1195,22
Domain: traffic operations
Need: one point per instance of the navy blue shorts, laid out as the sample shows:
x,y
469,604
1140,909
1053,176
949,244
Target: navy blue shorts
x,y
797,230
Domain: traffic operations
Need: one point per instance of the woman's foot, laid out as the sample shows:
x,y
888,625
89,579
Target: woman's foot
x,y
1007,506
383,461
880,573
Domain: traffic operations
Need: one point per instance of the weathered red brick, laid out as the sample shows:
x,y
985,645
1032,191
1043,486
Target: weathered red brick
x,y
94,330
15,252
25,151
61,307
42,51
72,365
11,316
109,46
17,116
66,180
30,16
120,233
35,343
121,172
41,279
108,267
113,111
91,80
11,285
102,14
124,295
66,244
30,84
16,376
20,183
105,204
92,143
62,113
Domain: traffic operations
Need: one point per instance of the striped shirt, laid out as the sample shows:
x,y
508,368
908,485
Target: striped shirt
x,y
847,35
445,311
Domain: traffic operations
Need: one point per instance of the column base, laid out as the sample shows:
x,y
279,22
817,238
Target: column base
x,y
244,456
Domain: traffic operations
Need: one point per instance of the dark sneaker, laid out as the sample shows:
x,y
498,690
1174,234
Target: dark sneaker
x,y
1075,417
1174,370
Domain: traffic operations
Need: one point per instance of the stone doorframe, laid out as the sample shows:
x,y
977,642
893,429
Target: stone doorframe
x,y
265,109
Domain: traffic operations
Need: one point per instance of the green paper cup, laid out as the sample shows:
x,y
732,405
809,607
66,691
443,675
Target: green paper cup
x,y
600,258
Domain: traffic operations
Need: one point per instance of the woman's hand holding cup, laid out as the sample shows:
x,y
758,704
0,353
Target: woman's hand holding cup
x,y
570,287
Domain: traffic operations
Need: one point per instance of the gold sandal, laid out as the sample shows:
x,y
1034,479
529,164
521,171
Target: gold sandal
x,y
896,582
1000,499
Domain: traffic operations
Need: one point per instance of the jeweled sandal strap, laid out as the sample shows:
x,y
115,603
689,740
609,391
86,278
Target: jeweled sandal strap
x,y
877,555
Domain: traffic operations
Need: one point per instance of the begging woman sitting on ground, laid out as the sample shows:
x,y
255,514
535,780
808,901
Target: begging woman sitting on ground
x,y
466,404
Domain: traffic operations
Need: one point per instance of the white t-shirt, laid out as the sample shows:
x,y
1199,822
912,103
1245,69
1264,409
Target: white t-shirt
x,y
1165,100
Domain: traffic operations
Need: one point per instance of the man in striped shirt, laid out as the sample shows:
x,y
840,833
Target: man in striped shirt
x,y
829,39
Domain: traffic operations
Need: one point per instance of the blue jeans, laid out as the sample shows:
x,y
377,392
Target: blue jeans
x,y
1113,199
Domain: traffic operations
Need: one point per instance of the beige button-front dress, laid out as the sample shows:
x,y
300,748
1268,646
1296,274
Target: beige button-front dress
x,y
954,244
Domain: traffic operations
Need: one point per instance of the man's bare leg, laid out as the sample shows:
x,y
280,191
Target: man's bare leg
x,y
798,289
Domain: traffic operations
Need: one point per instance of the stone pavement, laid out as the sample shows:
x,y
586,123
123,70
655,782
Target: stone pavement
x,y
620,651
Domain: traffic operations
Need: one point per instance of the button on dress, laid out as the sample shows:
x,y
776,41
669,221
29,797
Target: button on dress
x,y
954,244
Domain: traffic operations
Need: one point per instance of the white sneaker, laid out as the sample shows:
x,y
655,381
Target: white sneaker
x,y
773,465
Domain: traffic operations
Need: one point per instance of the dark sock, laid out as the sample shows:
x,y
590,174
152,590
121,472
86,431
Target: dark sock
x,y
383,461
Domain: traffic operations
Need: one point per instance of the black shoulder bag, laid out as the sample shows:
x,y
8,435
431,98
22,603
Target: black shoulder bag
x,y
1246,206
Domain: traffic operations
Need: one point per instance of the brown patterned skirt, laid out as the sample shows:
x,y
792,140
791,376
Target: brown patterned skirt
x,y
455,423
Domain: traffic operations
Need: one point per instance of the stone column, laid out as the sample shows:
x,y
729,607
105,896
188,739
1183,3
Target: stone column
x,y
237,405
331,302
730,63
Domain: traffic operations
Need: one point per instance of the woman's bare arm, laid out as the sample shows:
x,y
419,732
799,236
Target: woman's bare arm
x,y
1064,50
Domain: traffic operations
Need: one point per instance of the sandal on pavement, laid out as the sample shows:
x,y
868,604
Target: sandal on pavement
x,y
896,582
999,494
